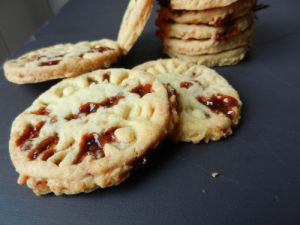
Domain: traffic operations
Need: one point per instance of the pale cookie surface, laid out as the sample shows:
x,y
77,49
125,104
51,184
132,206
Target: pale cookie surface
x,y
61,61
226,58
196,4
89,131
209,106
134,21
201,31
216,17
210,46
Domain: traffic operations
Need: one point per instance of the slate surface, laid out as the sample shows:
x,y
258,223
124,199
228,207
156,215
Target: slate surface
x,y
259,165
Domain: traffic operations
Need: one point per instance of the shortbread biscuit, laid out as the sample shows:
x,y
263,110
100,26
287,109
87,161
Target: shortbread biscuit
x,y
226,58
134,21
196,4
209,106
215,16
210,46
202,31
61,61
89,131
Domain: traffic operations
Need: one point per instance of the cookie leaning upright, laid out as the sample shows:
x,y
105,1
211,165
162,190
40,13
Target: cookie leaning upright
x,y
134,21
89,131
209,106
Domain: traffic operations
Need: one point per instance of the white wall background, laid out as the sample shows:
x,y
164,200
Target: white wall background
x,y
20,18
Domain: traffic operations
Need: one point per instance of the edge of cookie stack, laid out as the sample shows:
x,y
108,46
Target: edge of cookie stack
x,y
210,33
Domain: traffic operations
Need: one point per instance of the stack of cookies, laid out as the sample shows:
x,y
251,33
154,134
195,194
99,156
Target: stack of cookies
x,y
208,32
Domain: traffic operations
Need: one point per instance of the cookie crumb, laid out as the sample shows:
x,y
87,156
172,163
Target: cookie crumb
x,y
215,174
204,191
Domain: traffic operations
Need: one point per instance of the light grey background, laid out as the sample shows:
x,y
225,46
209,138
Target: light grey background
x,y
20,18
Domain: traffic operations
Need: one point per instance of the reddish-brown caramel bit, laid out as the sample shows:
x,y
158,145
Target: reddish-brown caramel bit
x,y
42,112
220,103
72,117
50,63
186,84
227,34
226,21
92,81
110,102
88,108
29,133
47,154
47,146
106,76
92,107
93,144
100,49
142,90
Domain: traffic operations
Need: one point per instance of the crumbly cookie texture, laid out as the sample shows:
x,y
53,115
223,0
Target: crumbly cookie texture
x,y
202,31
226,58
62,61
210,46
214,16
90,131
209,106
196,4
134,21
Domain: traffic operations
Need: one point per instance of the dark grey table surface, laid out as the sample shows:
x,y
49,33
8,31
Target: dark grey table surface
x,y
259,165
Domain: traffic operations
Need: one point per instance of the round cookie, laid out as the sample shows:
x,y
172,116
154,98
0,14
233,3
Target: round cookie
x,y
202,31
210,46
226,58
214,16
61,61
209,106
135,18
196,4
89,131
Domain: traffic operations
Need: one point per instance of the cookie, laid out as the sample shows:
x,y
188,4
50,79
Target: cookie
x,y
226,58
196,4
134,21
215,17
61,61
210,46
89,131
209,106
202,31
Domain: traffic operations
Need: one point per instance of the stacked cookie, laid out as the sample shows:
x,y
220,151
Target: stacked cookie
x,y
208,32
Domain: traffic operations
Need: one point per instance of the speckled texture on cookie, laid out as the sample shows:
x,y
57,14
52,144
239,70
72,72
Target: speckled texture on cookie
x,y
226,58
196,4
209,106
134,21
216,16
89,131
62,61
210,46
202,31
